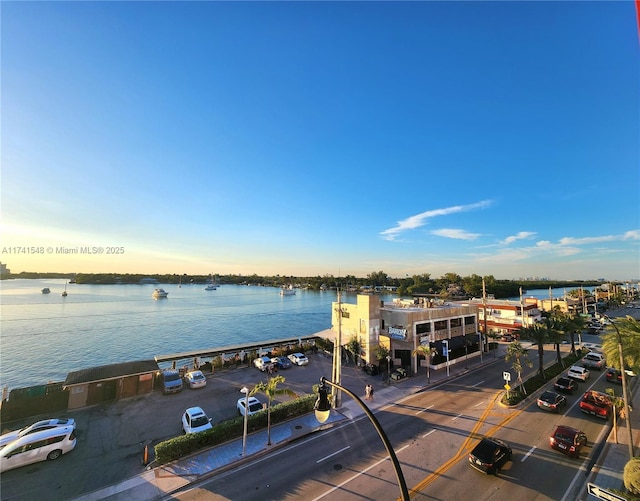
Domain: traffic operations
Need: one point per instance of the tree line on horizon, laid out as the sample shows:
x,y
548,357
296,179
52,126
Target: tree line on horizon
x,y
449,285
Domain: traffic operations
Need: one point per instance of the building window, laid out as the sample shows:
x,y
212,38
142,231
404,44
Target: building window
x,y
423,328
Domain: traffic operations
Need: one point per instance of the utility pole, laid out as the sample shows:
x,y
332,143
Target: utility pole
x,y
484,313
337,356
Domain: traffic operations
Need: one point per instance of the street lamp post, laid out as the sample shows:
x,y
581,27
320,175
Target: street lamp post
x,y
445,342
245,390
323,408
624,387
388,368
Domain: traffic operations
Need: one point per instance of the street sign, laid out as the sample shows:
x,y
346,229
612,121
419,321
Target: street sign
x,y
507,387
445,351
506,375
602,493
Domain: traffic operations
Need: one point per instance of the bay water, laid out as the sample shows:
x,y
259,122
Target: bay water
x,y
43,337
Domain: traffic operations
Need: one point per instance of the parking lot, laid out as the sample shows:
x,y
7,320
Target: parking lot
x,y
112,436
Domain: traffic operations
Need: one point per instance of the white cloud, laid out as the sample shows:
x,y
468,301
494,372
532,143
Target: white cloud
x,y
631,235
457,234
587,240
413,222
521,235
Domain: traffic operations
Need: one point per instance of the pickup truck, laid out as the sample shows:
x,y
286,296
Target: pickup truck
x,y
597,404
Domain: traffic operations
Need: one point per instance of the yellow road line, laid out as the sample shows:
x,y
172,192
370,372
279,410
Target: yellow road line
x,y
466,446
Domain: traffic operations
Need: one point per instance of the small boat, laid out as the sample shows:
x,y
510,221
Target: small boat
x,y
287,291
212,286
46,290
64,292
159,293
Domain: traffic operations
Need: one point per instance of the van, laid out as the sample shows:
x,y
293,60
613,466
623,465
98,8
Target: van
x,y
39,446
171,381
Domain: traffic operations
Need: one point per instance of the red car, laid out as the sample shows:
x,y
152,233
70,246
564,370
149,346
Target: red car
x,y
568,440
597,404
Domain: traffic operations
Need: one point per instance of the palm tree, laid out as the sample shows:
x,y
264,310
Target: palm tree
x,y
555,323
538,334
427,351
519,354
270,389
354,346
629,329
574,324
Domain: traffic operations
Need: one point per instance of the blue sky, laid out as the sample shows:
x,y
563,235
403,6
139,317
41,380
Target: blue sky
x,y
304,138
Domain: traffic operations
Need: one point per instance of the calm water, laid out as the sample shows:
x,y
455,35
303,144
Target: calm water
x,y
46,336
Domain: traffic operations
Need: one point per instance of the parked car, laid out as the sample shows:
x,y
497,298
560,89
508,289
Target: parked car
x,y
195,379
614,375
568,440
597,404
490,455
551,401
41,445
263,363
578,372
298,359
594,360
171,381
565,385
281,362
195,420
254,405
46,424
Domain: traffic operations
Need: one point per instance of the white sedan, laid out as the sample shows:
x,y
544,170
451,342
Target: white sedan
x,y
37,426
195,379
254,405
298,359
194,420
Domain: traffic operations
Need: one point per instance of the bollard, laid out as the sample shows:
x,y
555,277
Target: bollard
x,y
145,456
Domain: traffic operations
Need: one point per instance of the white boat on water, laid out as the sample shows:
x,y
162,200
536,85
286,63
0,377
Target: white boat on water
x,y
212,286
287,291
159,293
64,292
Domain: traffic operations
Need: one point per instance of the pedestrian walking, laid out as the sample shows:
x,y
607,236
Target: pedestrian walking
x,y
368,392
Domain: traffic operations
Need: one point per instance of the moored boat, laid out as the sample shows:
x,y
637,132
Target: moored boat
x,y
159,293
46,290
287,291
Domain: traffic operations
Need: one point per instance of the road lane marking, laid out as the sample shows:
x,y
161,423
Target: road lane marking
x,y
455,417
466,446
528,453
350,479
331,455
429,433
478,383
479,404
425,409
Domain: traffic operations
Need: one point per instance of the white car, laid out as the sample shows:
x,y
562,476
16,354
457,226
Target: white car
x,y
298,359
195,420
195,379
254,405
263,363
47,424
577,372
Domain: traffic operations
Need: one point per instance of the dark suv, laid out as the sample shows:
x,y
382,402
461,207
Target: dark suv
x,y
568,440
490,455
566,385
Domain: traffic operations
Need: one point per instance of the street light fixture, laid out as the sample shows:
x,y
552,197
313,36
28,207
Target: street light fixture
x,y
624,387
245,390
323,409
389,369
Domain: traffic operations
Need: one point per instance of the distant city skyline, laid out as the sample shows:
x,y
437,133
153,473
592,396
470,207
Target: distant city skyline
x,y
313,138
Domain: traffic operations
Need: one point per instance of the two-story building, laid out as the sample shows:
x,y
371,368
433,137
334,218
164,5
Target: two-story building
x,y
498,317
402,326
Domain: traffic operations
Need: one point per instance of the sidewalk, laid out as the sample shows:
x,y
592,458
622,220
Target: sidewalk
x,y
160,482
609,466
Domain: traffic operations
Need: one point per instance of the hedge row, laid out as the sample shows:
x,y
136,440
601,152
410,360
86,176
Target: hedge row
x,y
178,447
536,381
